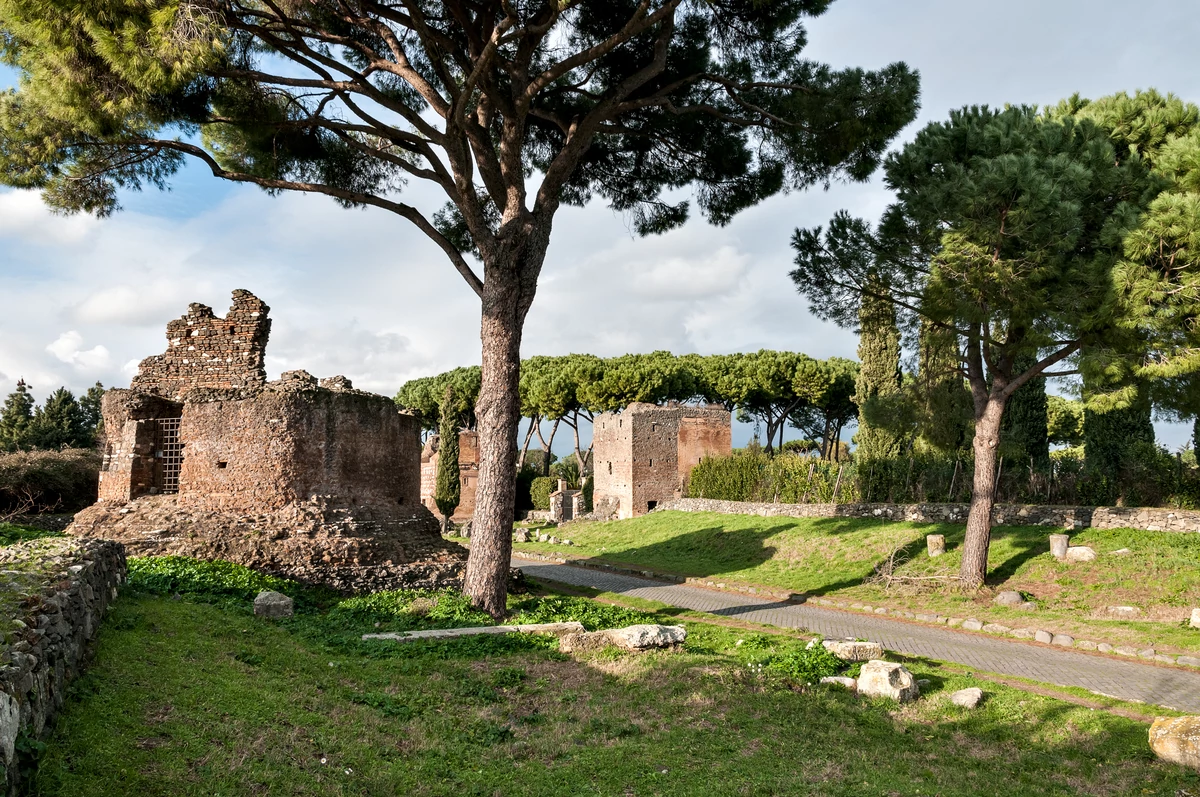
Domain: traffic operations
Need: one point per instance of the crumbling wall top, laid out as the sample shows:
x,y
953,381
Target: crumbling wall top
x,y
207,351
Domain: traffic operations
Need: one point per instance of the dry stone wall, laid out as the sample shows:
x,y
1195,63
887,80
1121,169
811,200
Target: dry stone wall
x,y
1066,517
55,591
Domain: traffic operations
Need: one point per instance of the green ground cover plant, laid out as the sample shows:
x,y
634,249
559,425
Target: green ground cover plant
x,y
189,694
12,533
834,557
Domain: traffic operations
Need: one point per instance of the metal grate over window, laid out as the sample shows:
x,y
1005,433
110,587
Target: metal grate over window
x,y
168,455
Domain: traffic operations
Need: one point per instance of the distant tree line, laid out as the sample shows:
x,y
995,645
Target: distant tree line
x,y
62,421
772,389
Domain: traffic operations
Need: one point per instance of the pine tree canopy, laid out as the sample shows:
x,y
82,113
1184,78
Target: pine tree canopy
x,y
622,99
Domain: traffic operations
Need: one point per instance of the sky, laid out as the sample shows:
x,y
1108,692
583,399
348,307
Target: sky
x,y
364,294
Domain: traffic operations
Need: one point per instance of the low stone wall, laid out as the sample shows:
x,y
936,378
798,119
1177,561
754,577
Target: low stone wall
x,y
1065,517
53,593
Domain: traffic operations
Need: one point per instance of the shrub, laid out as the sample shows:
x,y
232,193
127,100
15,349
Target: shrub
x,y
751,475
539,492
737,477
805,665
52,480
594,616
589,490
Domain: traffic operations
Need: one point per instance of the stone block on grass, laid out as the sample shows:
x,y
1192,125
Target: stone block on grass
x,y
887,679
849,650
273,605
967,698
1177,740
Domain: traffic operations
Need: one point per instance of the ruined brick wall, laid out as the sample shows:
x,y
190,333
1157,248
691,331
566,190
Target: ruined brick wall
x,y
128,471
612,455
288,443
644,455
468,474
205,351
703,432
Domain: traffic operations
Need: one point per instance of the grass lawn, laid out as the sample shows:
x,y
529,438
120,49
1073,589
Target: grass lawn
x,y
195,696
831,557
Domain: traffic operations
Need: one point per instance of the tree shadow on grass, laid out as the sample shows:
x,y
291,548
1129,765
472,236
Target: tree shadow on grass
x,y
703,553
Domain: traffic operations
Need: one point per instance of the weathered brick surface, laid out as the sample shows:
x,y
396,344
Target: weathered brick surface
x,y
205,350
644,454
310,479
468,474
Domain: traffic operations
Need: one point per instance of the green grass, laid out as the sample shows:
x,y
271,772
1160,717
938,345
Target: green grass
x,y
12,533
195,696
831,557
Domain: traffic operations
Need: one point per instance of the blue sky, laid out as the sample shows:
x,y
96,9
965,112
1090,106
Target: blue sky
x,y
363,294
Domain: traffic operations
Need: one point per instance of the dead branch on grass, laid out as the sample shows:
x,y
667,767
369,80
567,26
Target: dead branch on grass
x,y
885,575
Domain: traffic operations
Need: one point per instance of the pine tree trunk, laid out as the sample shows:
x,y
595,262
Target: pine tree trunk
x,y
983,492
510,282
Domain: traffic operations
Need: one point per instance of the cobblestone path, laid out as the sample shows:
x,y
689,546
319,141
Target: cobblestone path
x,y
1130,680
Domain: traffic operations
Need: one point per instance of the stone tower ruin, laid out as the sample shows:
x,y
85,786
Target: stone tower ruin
x,y
644,455
311,480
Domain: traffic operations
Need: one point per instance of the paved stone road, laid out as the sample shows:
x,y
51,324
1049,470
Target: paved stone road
x,y
1130,680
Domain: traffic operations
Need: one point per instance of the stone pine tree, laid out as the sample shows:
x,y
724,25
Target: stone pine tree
x,y
1007,228
1024,432
447,490
16,418
507,108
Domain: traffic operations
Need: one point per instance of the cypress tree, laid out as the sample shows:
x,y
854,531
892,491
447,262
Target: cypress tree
x,y
1024,428
16,418
878,385
943,401
1111,438
89,402
877,391
60,423
447,491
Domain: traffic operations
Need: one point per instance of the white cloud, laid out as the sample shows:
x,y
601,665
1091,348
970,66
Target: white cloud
x,y
363,294
68,348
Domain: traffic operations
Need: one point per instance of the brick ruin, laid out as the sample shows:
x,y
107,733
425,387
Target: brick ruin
x,y
468,474
644,455
311,480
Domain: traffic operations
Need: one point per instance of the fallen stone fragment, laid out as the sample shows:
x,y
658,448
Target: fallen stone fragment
x,y
1045,637
1009,597
1125,650
1147,653
1063,640
854,651
1024,633
885,679
1104,647
972,624
634,637
840,680
935,544
1080,553
1123,612
955,622
1085,644
1164,659
273,605
558,629
521,535
1177,740
967,698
